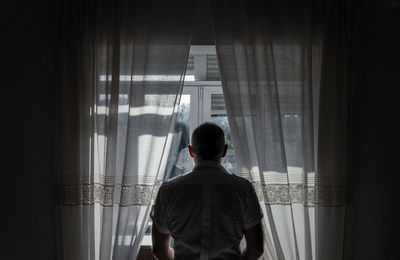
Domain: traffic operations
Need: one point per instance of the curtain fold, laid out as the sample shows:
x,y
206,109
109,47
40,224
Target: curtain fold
x,y
123,65
275,57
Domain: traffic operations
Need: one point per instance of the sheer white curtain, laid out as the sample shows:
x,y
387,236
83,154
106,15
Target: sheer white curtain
x,y
123,64
275,57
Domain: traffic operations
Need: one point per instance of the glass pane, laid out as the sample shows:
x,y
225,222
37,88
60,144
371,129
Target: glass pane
x,y
219,117
179,160
212,68
228,162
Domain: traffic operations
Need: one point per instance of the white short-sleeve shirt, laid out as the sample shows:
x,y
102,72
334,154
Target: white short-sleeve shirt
x,y
206,212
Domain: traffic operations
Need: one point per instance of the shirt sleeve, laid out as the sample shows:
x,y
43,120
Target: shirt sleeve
x,y
158,214
253,214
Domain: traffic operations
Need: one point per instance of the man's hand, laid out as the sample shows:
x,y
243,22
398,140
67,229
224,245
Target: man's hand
x,y
254,242
161,249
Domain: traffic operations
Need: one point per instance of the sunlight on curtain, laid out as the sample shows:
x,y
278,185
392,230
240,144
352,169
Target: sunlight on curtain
x,y
123,72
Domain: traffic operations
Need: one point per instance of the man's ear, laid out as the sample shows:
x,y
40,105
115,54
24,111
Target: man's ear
x,y
190,148
225,150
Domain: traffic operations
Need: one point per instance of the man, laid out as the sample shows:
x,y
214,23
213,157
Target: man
x,y
208,210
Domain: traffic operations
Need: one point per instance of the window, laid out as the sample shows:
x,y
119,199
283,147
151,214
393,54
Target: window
x,y
202,100
199,103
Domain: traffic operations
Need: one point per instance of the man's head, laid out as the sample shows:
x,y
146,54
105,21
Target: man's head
x,y
208,143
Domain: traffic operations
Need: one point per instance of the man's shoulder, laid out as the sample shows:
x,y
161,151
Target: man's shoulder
x,y
242,181
175,180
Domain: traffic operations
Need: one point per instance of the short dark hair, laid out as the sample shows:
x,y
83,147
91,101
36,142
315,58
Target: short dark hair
x,y
208,141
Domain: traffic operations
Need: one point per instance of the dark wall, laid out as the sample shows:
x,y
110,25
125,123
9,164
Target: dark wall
x,y
27,86
373,220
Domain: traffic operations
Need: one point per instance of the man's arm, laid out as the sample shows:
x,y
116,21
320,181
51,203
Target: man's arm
x,y
254,242
161,249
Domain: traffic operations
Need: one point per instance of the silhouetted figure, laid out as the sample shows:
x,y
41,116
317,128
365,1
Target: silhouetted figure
x,y
208,210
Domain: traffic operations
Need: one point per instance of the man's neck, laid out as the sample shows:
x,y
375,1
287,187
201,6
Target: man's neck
x,y
197,161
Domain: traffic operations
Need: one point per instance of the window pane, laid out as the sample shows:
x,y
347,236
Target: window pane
x,y
212,68
228,162
179,160
219,117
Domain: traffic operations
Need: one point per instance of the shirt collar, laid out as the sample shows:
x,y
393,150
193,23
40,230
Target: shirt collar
x,y
209,163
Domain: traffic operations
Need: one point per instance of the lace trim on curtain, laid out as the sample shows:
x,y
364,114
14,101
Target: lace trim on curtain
x,y
107,195
286,194
142,194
